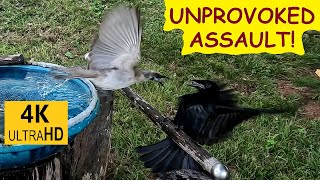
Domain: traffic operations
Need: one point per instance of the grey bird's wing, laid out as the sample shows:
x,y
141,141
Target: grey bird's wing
x,y
118,43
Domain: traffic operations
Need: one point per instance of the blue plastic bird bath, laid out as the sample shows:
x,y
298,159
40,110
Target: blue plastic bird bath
x,y
35,83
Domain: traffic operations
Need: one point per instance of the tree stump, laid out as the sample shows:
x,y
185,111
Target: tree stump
x,y
12,59
85,158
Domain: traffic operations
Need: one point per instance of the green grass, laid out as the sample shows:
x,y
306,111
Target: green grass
x,y
268,147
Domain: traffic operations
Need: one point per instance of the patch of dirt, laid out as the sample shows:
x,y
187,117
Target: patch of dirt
x,y
51,35
286,88
304,71
309,108
232,167
44,31
173,66
244,89
170,111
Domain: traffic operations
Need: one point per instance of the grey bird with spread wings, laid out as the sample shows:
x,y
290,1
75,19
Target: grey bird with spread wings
x,y
115,53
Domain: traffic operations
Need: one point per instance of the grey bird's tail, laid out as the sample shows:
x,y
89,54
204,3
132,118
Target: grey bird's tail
x,y
75,72
166,156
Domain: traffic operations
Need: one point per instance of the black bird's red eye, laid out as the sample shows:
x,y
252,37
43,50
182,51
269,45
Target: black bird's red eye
x,y
208,85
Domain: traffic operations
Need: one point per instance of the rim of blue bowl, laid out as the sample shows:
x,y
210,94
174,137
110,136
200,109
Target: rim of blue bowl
x,y
78,120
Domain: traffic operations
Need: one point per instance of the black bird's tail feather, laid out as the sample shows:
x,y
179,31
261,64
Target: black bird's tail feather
x,y
166,156
251,111
217,128
256,112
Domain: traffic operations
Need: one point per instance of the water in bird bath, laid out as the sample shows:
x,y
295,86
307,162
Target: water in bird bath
x,y
25,85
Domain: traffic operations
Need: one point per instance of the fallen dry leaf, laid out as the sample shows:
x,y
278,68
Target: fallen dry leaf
x,y
318,72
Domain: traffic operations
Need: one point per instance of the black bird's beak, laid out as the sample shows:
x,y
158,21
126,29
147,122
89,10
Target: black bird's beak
x,y
197,84
157,77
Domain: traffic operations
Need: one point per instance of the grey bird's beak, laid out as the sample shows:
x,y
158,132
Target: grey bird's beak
x,y
196,84
157,77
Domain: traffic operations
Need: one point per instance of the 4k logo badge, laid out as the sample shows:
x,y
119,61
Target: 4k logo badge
x,y
36,122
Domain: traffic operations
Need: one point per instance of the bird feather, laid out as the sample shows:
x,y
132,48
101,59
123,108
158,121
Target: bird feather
x,y
118,44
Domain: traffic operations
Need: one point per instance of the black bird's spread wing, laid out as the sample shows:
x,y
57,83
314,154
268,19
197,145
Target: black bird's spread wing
x,y
166,156
191,102
222,121
191,118
207,124
197,119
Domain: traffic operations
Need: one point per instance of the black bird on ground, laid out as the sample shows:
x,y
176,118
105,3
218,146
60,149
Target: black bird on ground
x,y
207,116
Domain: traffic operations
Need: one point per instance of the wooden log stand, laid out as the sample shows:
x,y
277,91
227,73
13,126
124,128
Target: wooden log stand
x,y
84,158
12,60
